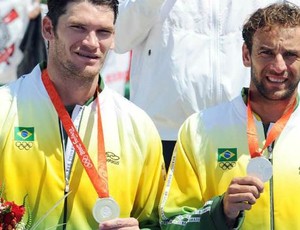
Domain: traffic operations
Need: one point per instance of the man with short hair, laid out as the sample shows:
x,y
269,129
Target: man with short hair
x,y
63,132
236,165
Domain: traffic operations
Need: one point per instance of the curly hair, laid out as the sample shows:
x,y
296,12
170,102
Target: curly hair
x,y
284,14
56,8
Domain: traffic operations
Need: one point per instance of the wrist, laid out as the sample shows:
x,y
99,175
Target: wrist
x,y
230,222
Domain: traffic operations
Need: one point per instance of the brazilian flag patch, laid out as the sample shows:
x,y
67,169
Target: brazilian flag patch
x,y
227,154
24,134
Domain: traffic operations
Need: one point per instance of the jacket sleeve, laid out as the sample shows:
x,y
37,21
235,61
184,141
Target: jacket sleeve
x,y
8,111
152,178
135,20
208,217
183,204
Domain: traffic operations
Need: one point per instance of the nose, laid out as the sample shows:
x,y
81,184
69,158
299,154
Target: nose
x,y
91,40
279,64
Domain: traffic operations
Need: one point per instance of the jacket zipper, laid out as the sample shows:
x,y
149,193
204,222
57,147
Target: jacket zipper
x,y
76,115
270,153
67,189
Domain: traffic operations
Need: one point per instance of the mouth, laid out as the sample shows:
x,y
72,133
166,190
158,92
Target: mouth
x,y
276,79
88,55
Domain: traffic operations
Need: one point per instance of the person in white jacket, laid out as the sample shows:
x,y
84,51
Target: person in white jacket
x,y
184,56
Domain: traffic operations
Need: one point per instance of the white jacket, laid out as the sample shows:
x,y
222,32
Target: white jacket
x,y
186,55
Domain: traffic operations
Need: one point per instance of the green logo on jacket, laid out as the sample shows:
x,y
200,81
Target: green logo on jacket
x,y
227,154
24,133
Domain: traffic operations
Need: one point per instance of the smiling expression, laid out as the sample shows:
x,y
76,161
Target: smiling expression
x,y
82,39
274,62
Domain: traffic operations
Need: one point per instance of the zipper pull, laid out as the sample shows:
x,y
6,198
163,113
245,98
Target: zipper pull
x,y
270,151
67,187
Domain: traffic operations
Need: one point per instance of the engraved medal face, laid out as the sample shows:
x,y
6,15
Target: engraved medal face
x,y
105,209
261,168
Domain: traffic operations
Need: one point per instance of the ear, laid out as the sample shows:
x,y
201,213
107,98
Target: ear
x,y
246,56
47,29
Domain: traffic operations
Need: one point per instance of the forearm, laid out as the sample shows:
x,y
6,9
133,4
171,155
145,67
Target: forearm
x,y
209,217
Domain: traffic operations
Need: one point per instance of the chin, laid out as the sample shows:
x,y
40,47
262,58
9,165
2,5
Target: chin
x,y
281,96
90,73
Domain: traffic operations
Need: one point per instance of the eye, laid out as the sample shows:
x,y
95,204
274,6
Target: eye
x,y
266,52
77,27
103,33
290,54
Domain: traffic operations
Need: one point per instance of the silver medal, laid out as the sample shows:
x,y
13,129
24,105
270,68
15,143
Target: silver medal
x,y
261,168
105,209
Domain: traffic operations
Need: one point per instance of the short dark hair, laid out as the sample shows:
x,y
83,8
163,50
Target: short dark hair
x,y
56,8
278,14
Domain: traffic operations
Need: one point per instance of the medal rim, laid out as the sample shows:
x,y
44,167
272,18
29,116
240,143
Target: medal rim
x,y
107,201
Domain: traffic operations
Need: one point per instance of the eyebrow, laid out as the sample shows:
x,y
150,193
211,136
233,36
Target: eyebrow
x,y
266,47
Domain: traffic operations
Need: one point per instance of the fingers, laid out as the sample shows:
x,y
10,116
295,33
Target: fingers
x,y
249,180
246,189
120,223
241,194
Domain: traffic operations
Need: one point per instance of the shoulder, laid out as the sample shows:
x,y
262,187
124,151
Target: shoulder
x,y
125,109
28,84
119,102
222,114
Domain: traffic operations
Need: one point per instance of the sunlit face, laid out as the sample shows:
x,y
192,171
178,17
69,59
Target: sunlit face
x,y
82,39
274,62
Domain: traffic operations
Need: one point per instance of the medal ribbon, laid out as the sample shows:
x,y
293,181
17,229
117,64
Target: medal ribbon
x,y
99,181
273,134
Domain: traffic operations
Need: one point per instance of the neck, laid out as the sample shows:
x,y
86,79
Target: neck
x,y
71,90
270,111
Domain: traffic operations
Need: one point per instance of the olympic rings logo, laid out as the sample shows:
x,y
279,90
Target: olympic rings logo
x,y
226,165
86,162
23,145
